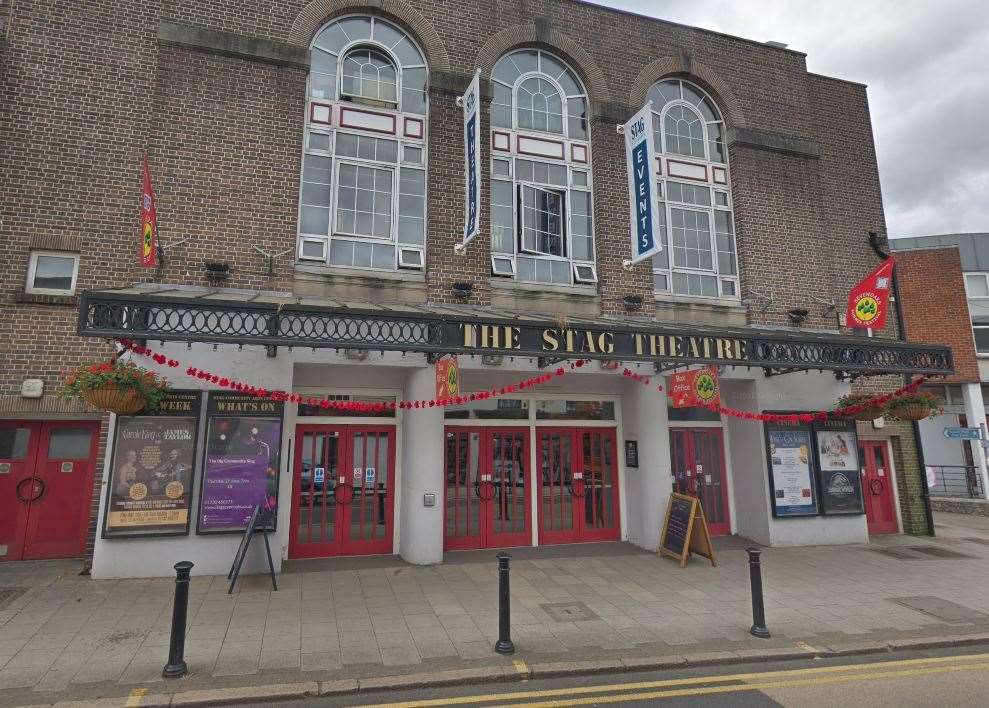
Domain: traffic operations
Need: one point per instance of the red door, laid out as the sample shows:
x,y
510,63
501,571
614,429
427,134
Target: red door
x,y
698,460
578,474
487,482
877,487
46,483
343,490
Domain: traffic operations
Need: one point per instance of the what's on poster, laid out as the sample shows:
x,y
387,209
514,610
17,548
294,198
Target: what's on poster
x,y
243,438
151,471
793,484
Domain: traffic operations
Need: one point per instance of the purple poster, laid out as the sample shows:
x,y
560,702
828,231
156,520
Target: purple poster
x,y
241,468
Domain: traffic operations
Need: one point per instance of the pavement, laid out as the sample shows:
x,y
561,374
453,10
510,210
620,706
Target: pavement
x,y
353,625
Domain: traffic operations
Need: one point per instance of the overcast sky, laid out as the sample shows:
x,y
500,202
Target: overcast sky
x,y
926,63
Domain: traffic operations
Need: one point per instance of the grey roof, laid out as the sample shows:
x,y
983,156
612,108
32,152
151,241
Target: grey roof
x,y
974,248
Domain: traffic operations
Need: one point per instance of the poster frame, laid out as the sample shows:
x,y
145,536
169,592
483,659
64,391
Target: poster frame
x,y
105,533
815,510
209,418
839,427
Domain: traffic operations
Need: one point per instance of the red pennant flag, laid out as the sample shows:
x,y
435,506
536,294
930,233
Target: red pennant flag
x,y
868,301
149,222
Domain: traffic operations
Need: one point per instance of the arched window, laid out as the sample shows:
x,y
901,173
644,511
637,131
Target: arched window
x,y
541,216
362,202
369,74
699,256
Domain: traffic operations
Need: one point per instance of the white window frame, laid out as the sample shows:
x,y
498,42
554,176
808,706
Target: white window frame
x,y
723,281
975,340
566,189
968,294
396,109
561,192
32,272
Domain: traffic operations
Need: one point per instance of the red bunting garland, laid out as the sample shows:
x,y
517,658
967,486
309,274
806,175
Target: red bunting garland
x,y
363,407
352,406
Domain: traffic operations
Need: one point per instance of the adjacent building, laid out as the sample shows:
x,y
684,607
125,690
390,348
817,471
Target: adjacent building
x,y
309,167
946,299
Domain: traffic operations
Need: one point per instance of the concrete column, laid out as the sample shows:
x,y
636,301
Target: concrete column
x,y
421,540
975,414
647,488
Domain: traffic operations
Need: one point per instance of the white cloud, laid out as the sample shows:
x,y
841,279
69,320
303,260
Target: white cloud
x,y
926,66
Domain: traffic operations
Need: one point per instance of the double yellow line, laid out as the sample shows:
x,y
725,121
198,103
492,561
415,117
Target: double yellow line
x,y
672,688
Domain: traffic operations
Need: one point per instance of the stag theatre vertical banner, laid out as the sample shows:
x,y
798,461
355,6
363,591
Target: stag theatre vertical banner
x,y
240,471
643,205
470,102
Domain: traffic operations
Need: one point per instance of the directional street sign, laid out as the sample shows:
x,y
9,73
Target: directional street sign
x,y
963,433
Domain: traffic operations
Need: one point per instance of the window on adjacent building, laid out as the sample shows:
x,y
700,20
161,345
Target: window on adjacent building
x,y
694,187
981,338
52,273
541,211
362,202
977,285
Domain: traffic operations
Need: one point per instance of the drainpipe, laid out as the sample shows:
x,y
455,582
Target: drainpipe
x,y
925,491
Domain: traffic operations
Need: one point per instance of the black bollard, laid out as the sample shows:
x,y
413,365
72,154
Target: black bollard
x,y
758,610
504,645
176,644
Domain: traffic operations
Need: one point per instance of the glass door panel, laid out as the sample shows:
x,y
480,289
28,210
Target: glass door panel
x,y
554,456
600,483
462,512
507,498
317,478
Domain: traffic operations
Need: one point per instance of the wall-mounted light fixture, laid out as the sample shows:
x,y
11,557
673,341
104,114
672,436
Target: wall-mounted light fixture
x,y
463,290
632,302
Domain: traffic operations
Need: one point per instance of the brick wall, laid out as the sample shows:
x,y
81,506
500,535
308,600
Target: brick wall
x,y
86,87
935,308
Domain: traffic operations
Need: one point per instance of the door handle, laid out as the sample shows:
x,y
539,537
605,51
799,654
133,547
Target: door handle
x,y
37,489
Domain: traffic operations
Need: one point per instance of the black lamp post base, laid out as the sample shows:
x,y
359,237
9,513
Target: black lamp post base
x,y
505,646
760,632
175,670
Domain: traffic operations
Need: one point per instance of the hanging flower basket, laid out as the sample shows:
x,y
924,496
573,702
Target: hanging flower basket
x,y
914,406
122,401
856,401
121,388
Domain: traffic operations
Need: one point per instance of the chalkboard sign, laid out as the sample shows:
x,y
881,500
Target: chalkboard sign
x,y
685,530
260,522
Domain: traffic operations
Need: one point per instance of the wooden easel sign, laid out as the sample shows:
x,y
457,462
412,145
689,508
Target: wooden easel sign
x,y
685,530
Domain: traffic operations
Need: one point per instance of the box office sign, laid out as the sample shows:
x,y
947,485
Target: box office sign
x,y
151,470
240,471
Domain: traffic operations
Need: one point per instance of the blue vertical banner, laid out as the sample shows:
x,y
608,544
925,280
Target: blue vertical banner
x,y
471,103
643,202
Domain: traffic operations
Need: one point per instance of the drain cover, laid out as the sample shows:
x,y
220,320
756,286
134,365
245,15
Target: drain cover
x,y
940,608
569,611
8,595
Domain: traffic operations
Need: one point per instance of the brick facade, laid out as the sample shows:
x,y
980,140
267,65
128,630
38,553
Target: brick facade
x,y
86,87
935,307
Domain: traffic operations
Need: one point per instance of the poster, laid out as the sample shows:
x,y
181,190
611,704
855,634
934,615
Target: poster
x,y
150,483
447,378
837,450
698,387
790,465
841,492
240,471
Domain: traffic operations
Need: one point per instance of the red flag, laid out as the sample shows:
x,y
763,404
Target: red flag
x,y
695,388
868,301
149,222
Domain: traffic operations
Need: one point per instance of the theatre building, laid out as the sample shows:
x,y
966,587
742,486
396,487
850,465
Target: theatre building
x,y
308,161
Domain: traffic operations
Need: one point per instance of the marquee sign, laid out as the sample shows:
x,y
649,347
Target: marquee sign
x,y
449,330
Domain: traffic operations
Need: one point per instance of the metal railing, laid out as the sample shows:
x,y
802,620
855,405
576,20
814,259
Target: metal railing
x,y
956,481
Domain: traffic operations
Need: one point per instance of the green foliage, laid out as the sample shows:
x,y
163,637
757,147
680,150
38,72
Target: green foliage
x,y
123,375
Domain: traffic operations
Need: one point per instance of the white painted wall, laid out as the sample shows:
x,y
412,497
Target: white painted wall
x,y
748,463
212,554
421,539
647,489
813,391
938,450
